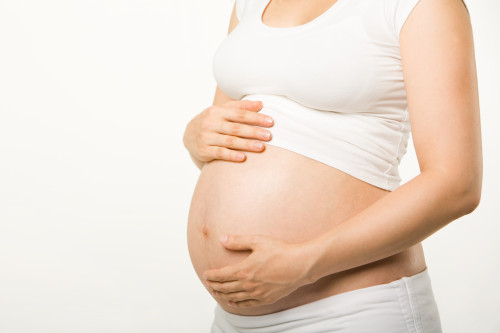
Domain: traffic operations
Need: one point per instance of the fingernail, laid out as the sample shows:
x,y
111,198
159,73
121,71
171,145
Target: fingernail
x,y
203,276
230,303
223,238
269,120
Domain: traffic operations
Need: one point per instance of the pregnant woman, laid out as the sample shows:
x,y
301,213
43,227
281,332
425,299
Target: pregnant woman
x,y
312,231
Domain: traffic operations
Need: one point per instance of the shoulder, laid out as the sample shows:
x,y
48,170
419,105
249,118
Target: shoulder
x,y
246,7
240,5
399,11
438,58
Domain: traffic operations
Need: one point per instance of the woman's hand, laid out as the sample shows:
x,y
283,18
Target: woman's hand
x,y
273,270
218,131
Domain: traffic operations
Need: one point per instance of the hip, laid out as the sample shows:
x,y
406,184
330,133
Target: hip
x,y
387,270
406,304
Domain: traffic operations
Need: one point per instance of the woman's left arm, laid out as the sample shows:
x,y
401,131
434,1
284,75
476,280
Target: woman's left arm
x,y
441,82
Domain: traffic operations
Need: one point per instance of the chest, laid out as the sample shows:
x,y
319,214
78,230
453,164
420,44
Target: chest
x,y
292,13
340,61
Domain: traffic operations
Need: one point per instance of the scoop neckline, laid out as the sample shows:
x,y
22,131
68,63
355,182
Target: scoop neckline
x,y
316,20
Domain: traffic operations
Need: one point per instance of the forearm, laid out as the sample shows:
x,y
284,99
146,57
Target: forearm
x,y
399,220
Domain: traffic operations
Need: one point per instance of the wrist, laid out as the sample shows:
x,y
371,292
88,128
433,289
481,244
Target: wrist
x,y
310,255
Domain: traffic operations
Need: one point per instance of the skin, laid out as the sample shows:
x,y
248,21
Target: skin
x,y
440,76
225,126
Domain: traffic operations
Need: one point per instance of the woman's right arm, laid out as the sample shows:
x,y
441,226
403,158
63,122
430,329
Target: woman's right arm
x,y
225,127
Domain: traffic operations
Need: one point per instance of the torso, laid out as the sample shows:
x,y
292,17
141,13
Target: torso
x,y
283,194
286,195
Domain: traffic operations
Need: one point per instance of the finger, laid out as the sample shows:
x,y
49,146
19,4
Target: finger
x,y
225,287
222,153
244,131
235,297
244,304
236,143
240,242
224,274
245,116
245,104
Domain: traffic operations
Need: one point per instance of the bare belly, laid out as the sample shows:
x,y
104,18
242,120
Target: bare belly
x,y
286,195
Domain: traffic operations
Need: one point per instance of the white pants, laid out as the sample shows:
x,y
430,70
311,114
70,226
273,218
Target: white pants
x,y
403,305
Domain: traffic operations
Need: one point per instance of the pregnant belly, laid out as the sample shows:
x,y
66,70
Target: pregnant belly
x,y
282,194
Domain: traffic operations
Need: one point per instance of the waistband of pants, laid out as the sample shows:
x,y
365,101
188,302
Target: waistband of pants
x,y
340,304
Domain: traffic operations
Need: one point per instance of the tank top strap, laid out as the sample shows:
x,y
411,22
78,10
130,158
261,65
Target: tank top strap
x,y
249,9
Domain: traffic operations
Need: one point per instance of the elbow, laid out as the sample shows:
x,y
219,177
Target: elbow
x,y
468,194
459,195
473,189
472,199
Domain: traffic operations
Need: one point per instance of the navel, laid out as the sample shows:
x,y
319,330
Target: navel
x,y
205,230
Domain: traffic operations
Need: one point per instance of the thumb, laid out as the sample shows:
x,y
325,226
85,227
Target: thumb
x,y
239,242
250,105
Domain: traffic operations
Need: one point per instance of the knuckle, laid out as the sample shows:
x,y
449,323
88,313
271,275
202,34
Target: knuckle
x,y
234,128
203,136
255,293
219,152
229,140
199,136
248,286
241,116
211,111
203,152
205,124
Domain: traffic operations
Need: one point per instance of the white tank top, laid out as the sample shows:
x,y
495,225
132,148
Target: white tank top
x,y
334,85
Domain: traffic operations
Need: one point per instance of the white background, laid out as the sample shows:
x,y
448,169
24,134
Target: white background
x,y
95,183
